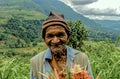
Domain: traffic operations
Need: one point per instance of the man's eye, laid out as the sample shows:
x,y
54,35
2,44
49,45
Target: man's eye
x,y
60,34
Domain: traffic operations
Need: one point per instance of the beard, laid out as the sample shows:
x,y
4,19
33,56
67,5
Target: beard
x,y
58,50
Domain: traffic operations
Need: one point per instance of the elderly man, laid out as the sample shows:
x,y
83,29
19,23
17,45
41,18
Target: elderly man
x,y
56,33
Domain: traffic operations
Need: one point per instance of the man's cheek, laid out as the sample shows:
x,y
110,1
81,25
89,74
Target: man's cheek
x,y
64,41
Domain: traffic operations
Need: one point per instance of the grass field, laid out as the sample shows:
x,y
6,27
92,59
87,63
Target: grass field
x,y
103,57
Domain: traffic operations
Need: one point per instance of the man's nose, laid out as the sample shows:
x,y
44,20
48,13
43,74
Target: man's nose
x,y
55,40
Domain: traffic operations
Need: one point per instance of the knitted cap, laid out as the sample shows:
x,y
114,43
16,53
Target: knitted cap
x,y
55,19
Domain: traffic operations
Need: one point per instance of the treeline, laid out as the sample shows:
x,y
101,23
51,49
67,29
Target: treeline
x,y
80,33
99,35
20,33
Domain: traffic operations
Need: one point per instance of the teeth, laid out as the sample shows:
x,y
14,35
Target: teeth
x,y
53,45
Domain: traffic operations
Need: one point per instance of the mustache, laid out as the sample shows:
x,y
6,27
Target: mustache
x,y
58,44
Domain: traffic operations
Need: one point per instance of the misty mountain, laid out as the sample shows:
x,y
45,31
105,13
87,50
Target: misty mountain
x,y
60,7
32,10
110,25
38,9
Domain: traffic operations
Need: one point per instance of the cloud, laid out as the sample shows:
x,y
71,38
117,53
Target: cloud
x,y
82,2
78,2
97,11
100,17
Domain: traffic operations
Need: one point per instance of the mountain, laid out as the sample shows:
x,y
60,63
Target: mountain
x,y
20,21
60,7
26,9
110,25
39,9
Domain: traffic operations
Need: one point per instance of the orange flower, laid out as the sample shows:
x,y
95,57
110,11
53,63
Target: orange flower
x,y
76,72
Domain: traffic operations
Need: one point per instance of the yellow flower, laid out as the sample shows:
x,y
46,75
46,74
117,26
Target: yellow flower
x,y
76,69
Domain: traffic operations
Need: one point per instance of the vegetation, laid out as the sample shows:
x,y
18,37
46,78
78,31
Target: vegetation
x,y
79,33
17,33
26,9
14,62
20,39
14,68
104,56
97,35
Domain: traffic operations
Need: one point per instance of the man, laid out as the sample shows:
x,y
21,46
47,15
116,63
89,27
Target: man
x,y
56,33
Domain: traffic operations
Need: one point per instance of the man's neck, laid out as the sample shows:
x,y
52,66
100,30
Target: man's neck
x,y
60,56
58,63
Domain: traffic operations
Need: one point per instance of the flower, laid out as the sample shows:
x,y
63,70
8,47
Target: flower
x,y
75,72
80,73
76,69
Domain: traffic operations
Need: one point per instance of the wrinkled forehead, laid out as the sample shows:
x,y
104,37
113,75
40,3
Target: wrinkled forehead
x,y
55,28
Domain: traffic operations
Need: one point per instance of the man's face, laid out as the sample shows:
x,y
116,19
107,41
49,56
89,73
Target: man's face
x,y
56,39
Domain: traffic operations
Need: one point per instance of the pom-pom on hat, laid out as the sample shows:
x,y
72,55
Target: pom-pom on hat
x,y
55,19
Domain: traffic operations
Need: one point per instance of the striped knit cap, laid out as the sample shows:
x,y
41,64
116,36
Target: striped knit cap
x,y
55,19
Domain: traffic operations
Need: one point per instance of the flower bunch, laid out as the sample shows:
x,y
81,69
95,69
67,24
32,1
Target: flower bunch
x,y
80,73
75,72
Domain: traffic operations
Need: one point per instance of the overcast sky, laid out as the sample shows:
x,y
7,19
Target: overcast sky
x,y
96,9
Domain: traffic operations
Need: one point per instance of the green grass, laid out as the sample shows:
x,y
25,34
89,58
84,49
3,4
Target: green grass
x,y
28,15
14,67
18,66
28,50
103,56
21,8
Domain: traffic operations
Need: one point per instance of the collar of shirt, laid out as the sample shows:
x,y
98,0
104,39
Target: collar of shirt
x,y
70,54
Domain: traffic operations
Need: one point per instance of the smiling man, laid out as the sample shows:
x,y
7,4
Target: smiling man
x,y
56,33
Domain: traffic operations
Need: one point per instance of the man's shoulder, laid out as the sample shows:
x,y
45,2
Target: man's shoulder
x,y
82,55
77,52
81,58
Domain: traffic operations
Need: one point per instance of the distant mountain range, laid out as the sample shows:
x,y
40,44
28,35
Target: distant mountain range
x,y
28,8
110,25
60,7
39,9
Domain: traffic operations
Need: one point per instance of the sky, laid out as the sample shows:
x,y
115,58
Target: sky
x,y
96,9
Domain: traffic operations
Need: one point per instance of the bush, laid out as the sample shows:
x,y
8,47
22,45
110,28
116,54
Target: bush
x,y
79,33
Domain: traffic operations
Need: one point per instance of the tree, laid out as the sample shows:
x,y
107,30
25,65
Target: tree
x,y
79,33
25,30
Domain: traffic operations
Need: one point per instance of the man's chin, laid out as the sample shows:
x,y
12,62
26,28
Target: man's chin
x,y
57,50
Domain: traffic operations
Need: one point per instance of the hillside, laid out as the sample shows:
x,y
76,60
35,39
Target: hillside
x,y
37,9
20,21
110,25
26,9
57,6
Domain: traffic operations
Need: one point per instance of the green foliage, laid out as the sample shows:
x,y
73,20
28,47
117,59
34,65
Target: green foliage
x,y
3,36
14,68
117,42
14,63
104,57
20,33
79,33
21,8
99,35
